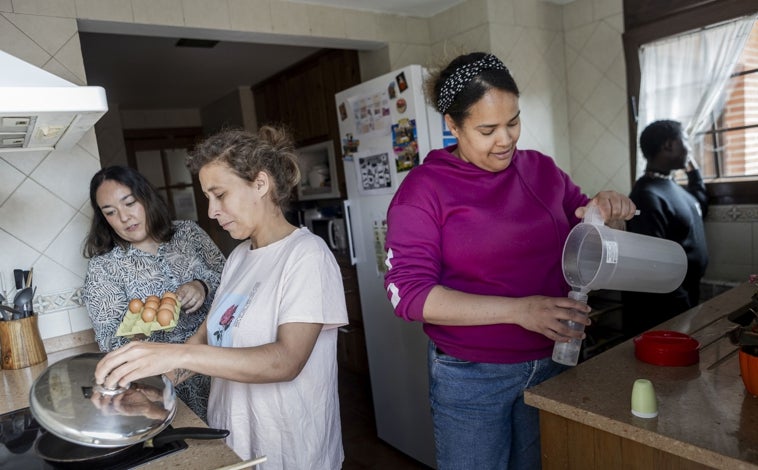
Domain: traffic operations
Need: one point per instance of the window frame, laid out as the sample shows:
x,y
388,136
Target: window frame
x,y
647,21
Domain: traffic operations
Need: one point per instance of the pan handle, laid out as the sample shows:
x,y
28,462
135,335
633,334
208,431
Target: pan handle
x,y
175,434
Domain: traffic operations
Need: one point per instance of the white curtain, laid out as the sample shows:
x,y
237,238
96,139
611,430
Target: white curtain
x,y
685,78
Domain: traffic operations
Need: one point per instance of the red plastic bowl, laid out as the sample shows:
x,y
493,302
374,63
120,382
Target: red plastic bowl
x,y
666,348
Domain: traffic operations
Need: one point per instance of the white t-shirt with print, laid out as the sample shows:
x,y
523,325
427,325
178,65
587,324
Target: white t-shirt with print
x,y
296,424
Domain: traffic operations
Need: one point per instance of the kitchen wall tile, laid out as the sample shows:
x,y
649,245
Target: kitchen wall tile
x,y
473,13
501,11
250,15
576,38
50,276
604,155
53,324
59,8
289,18
360,25
444,25
729,272
33,203
729,242
587,176
58,69
163,12
70,55
110,10
503,42
577,13
538,14
603,46
67,174
20,45
50,33
409,54
619,127
79,319
616,22
326,21
88,143
417,31
6,6
25,161
391,28
10,178
206,14
13,255
66,249
603,9
606,101
585,131
583,77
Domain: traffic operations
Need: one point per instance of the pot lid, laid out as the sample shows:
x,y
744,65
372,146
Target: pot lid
x,y
667,348
65,400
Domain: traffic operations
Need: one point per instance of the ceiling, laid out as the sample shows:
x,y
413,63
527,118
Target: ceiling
x,y
141,68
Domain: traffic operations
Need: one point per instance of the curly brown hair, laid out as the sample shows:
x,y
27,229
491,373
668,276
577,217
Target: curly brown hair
x,y
271,150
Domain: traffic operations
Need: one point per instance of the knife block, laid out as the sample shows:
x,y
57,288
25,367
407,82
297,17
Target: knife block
x,y
21,343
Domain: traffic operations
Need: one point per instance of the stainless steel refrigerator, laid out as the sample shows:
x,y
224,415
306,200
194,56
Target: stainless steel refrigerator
x,y
386,129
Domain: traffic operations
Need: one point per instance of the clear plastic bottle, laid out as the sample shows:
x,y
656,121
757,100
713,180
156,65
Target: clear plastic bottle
x,y
568,353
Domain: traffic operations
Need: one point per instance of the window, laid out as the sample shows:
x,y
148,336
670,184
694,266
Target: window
x,y
730,145
646,22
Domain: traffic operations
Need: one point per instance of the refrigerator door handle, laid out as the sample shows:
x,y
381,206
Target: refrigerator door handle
x,y
349,226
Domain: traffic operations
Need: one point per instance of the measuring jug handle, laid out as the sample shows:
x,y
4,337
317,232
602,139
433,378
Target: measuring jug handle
x,y
593,216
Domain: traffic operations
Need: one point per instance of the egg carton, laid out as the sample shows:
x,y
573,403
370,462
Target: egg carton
x,y
132,324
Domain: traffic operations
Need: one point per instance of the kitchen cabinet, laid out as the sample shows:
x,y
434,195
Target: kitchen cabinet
x,y
302,98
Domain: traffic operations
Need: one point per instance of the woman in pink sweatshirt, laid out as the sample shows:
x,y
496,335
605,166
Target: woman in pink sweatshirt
x,y
474,245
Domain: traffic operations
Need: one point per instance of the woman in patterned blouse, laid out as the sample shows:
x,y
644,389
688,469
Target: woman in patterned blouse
x,y
135,250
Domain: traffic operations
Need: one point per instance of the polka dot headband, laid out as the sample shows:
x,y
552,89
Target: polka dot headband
x,y
462,75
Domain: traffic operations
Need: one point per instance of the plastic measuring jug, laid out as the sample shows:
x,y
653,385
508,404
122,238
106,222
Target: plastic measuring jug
x,y
598,257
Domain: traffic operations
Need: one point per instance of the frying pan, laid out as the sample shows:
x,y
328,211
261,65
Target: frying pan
x,y
64,454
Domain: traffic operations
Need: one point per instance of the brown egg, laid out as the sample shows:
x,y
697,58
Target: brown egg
x,y
168,301
165,316
135,305
152,304
169,294
153,297
148,314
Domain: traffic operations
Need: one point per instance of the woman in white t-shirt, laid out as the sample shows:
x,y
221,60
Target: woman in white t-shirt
x,y
269,342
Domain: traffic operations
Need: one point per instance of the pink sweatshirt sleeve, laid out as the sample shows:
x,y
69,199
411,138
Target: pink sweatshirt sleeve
x,y
413,252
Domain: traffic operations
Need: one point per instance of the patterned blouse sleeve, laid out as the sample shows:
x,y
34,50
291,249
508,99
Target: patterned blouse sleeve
x,y
209,271
106,301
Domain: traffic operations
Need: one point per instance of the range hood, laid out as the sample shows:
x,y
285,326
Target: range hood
x,y
42,112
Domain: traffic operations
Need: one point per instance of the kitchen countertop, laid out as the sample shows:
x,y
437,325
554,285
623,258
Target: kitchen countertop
x,y
201,454
705,413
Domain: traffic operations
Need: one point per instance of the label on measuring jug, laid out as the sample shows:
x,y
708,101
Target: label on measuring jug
x,y
611,252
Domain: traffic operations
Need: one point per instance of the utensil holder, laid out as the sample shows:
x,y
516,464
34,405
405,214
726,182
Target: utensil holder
x,y
21,343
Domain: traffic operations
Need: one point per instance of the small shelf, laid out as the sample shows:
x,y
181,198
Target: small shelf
x,y
318,172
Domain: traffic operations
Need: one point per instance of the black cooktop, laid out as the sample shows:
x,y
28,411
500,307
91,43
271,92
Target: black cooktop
x,y
19,430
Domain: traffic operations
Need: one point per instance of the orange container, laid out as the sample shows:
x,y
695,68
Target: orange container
x,y
749,371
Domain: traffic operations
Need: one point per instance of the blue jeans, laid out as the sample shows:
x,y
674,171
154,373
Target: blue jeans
x,y
480,418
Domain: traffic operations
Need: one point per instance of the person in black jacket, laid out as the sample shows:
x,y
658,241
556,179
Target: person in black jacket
x,y
668,210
